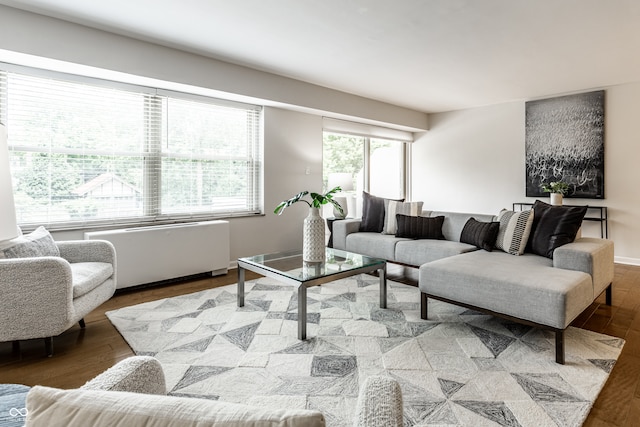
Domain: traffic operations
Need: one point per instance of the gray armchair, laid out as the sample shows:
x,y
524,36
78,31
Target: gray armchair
x,y
41,297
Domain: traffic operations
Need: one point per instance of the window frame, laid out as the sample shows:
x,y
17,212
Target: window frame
x,y
405,184
151,153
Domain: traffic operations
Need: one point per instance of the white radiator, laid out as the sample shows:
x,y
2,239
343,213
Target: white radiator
x,y
162,252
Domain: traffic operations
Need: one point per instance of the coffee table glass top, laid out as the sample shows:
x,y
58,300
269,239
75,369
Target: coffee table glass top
x,y
290,265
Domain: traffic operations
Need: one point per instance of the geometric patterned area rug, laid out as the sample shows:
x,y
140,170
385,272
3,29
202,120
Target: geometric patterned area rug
x,y
459,368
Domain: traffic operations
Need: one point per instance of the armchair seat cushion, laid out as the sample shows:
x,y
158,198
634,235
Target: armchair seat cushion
x,y
86,276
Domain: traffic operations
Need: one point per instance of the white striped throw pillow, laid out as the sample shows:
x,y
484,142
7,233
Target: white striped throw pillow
x,y
404,208
514,231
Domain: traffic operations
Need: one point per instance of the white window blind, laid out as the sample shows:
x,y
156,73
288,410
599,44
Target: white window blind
x,y
85,152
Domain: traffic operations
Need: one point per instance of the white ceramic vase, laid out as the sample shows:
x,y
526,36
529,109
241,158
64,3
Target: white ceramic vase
x,y
313,244
342,201
556,199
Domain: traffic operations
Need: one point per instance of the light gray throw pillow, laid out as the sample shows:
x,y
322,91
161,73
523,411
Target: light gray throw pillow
x,y
35,244
50,407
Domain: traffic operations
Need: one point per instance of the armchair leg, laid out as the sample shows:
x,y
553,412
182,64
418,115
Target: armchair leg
x,y
48,346
608,294
82,324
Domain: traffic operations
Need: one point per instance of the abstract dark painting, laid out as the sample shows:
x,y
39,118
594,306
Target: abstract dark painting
x,y
565,142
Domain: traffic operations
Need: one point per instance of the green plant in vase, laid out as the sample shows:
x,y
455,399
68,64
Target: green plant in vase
x,y
317,200
557,189
313,248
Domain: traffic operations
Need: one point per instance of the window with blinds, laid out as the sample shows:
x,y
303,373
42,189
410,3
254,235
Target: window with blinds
x,y
86,151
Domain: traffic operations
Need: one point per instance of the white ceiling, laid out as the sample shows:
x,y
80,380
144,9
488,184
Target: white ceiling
x,y
429,55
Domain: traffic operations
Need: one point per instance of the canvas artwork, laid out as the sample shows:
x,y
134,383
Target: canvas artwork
x,y
565,142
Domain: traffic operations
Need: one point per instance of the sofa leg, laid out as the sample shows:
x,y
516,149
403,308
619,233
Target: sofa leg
x,y
16,347
82,324
48,346
423,306
609,294
560,347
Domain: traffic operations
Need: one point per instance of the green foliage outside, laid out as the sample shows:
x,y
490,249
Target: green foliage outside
x,y
342,153
345,153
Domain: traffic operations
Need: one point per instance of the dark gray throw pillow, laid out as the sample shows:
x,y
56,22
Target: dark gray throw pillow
x,y
554,226
480,234
419,227
373,212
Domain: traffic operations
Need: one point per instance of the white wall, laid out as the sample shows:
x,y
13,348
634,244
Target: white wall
x,y
473,161
293,143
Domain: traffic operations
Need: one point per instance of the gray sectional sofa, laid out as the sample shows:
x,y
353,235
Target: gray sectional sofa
x,y
531,289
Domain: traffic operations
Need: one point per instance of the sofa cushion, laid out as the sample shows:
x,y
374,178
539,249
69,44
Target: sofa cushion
x,y
480,234
554,226
515,228
49,407
394,208
373,210
419,227
35,244
417,252
86,276
373,244
526,287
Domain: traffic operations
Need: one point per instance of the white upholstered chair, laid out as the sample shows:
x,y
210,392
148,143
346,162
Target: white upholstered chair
x,y
43,296
133,393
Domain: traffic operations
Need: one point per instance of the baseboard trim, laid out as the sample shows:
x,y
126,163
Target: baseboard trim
x,y
626,260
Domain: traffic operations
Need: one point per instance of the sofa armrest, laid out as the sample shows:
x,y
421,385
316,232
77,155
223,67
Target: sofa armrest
x,y
137,374
36,298
87,251
590,255
379,403
341,229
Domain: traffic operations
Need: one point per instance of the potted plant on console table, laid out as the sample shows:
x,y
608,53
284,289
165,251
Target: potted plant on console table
x,y
313,229
557,189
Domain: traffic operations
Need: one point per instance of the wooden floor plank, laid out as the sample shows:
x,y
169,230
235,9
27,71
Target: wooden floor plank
x,y
79,355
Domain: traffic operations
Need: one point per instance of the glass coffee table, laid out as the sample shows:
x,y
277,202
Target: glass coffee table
x,y
288,268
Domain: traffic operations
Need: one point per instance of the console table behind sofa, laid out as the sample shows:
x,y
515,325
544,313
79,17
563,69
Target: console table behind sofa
x,y
594,213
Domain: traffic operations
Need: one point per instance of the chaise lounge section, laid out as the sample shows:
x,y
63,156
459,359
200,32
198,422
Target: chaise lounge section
x,y
528,289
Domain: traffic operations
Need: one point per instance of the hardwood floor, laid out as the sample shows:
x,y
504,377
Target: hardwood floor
x,y
79,354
